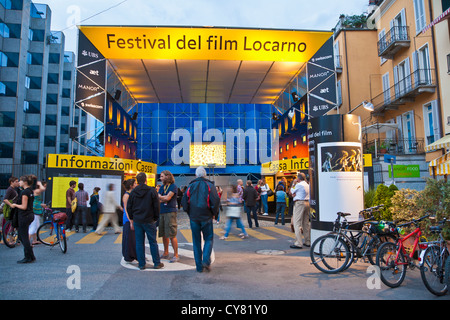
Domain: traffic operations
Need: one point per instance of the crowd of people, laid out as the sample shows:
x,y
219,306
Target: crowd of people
x,y
147,210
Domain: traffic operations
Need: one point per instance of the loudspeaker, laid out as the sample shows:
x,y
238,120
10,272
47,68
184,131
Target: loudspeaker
x,y
73,132
117,95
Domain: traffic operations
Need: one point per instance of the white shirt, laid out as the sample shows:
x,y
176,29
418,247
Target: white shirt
x,y
264,189
300,191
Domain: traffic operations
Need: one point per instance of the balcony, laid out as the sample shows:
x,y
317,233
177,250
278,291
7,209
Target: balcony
x,y
406,90
398,147
393,41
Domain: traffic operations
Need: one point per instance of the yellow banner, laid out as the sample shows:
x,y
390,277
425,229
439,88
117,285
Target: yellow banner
x,y
205,43
285,165
65,161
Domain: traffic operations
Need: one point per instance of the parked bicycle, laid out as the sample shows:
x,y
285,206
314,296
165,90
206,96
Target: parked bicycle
x,y
348,242
9,234
432,263
52,231
393,259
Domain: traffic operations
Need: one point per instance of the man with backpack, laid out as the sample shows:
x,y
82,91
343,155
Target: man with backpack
x,y
201,202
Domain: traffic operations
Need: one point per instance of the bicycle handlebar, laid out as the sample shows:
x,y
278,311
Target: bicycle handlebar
x,y
415,221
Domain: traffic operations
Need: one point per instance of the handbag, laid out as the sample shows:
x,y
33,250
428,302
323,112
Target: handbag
x,y
234,211
74,205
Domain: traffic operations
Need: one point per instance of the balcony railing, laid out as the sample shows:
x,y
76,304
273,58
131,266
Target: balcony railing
x,y
405,90
378,147
393,41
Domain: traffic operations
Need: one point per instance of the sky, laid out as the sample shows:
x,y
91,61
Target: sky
x,y
279,14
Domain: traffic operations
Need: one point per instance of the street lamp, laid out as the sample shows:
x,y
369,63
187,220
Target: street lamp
x,y
367,105
292,113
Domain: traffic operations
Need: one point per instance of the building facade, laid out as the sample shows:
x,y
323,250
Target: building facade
x,y
391,63
36,90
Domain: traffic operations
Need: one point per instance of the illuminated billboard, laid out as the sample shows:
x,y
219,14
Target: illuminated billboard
x,y
207,154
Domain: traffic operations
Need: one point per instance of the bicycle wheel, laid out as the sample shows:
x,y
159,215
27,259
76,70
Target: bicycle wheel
x,y
62,238
10,235
392,264
330,253
46,234
432,270
374,245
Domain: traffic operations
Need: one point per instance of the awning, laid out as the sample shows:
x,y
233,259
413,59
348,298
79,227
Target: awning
x,y
380,127
441,165
443,16
440,144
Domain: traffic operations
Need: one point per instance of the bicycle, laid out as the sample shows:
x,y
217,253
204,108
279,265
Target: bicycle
x,y
432,263
339,249
392,258
52,231
9,234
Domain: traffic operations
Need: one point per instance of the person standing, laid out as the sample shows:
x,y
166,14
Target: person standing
x,y
168,215
11,196
201,202
143,210
281,203
94,202
70,195
109,211
81,211
128,234
250,195
264,197
26,215
38,205
300,219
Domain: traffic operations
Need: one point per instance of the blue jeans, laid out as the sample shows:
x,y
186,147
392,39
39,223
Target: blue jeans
x,y
140,229
264,199
249,211
202,257
238,224
281,206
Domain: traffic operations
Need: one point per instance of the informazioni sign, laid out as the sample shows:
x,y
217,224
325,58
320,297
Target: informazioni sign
x,y
65,161
205,43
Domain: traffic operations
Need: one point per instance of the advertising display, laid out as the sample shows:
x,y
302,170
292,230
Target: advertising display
x,y
91,79
336,170
322,81
205,43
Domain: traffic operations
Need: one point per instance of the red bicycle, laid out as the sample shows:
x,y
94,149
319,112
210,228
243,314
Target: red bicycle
x,y
393,259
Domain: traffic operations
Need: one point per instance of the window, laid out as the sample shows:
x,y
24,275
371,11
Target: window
x,y
33,82
52,98
34,58
386,87
431,122
421,66
339,93
6,149
66,93
8,89
7,119
53,78
54,58
30,132
64,129
49,141
9,59
419,12
50,119
29,157
32,107
63,147
67,75
65,111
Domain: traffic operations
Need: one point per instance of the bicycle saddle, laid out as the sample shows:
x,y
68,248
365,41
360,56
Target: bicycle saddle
x,y
343,214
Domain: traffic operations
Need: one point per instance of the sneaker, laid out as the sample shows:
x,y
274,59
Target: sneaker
x,y
159,266
265,214
174,259
223,238
244,236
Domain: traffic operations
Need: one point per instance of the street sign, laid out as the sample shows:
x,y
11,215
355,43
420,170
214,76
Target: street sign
x,y
390,159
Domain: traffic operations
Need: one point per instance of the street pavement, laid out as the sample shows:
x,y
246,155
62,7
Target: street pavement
x,y
260,268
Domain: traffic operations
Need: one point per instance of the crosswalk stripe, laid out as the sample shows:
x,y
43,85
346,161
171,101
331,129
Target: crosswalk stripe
x,y
187,234
91,238
220,232
281,231
119,239
259,235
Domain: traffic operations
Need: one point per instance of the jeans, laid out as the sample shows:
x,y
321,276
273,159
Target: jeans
x,y
202,257
140,229
81,213
264,203
238,224
281,206
252,210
